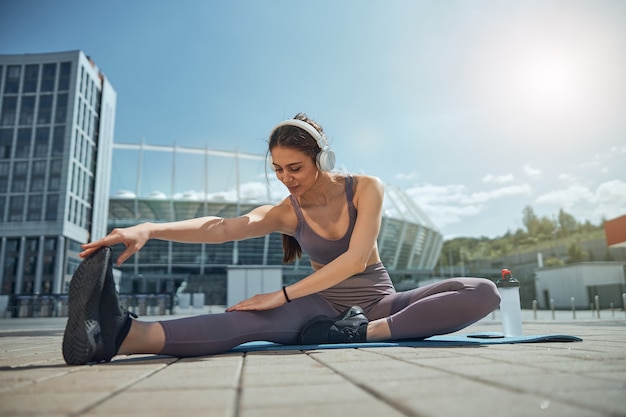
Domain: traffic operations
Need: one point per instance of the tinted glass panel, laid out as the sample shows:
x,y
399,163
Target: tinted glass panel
x,y
27,110
31,76
64,76
12,80
9,110
22,147
61,113
45,109
48,77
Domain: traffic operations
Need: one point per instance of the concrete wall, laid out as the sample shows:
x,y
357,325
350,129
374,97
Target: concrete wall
x,y
246,281
582,281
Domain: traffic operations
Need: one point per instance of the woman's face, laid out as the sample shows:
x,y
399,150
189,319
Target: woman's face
x,y
294,168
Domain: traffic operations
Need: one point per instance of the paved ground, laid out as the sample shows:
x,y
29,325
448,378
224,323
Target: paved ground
x,y
546,379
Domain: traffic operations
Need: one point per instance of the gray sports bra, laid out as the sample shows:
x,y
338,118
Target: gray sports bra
x,y
321,250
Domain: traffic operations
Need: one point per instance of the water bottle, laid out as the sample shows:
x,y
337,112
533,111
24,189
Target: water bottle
x,y
510,307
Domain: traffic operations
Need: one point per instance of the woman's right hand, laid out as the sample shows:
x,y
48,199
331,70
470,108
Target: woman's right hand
x,y
134,238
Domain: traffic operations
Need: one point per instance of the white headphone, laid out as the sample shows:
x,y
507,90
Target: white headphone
x,y
325,158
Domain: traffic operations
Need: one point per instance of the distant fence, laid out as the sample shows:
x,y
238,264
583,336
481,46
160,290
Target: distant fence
x,y
594,307
56,305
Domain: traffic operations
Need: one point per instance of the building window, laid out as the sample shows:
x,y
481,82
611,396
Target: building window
x,y
22,147
55,175
77,144
38,175
31,78
44,116
61,113
35,203
42,141
3,200
9,110
4,169
10,268
12,80
64,76
6,143
18,185
39,168
27,111
37,183
20,169
16,208
51,207
48,77
58,141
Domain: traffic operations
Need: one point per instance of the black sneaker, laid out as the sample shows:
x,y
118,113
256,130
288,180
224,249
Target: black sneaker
x,y
115,320
348,327
82,339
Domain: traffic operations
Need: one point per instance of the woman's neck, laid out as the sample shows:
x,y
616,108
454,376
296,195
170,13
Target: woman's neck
x,y
326,187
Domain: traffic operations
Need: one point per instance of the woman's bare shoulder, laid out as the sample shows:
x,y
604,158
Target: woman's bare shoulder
x,y
362,182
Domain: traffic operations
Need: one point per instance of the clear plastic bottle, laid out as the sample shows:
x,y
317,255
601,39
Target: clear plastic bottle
x,y
510,307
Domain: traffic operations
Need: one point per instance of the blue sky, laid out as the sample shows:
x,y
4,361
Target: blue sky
x,y
475,108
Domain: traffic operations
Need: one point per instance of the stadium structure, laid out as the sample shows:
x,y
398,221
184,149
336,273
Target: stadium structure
x,y
206,182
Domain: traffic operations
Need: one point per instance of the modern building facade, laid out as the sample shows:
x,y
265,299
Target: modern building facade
x,y
57,117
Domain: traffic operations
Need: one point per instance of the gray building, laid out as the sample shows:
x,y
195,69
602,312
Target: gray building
x,y
57,117
580,283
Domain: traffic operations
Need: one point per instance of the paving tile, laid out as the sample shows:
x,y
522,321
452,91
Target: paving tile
x,y
291,396
47,403
495,403
176,377
325,409
608,400
547,379
211,402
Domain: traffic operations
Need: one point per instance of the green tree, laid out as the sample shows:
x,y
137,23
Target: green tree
x,y
530,220
567,224
575,253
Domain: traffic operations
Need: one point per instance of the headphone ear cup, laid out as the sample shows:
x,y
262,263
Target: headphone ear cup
x,y
326,160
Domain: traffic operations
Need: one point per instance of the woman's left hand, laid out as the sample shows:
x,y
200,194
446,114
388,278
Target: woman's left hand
x,y
260,302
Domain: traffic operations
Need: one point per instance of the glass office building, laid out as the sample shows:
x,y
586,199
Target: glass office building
x,y
57,115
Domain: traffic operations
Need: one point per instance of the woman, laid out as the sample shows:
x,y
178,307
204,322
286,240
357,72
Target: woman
x,y
349,297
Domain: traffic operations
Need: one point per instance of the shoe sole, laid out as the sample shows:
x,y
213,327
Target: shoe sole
x,y
82,330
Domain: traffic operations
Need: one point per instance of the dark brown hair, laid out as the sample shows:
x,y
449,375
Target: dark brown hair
x,y
296,138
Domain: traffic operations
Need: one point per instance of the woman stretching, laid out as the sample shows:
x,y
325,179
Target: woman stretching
x,y
349,297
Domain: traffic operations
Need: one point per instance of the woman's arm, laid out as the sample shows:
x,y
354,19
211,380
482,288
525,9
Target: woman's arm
x,y
362,251
260,221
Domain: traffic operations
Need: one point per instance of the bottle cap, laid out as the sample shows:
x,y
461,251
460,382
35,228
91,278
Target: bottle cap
x,y
507,280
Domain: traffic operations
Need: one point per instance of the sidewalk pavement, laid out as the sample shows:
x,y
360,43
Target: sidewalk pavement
x,y
585,378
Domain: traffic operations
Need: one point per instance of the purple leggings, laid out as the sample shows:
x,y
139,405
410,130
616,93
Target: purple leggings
x,y
440,308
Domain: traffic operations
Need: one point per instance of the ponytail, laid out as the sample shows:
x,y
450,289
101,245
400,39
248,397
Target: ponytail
x,y
291,249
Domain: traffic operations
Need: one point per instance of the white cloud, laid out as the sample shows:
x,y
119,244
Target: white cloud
x,y
403,177
567,178
608,200
498,179
448,204
567,197
602,159
253,191
531,172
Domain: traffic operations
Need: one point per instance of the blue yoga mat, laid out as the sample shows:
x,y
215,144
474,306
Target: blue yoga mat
x,y
472,339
